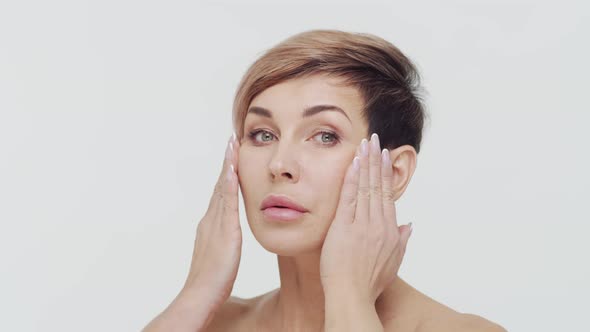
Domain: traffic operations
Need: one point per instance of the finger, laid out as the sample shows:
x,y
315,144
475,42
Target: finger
x,y
405,232
229,191
235,143
347,202
362,199
387,189
222,178
375,199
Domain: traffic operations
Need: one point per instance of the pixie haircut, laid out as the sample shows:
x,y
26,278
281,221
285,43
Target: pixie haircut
x,y
386,79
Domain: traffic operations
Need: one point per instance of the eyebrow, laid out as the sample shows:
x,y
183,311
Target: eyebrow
x,y
307,112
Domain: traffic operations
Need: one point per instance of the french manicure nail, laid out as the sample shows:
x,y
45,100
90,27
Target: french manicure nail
x,y
355,163
375,141
385,158
230,170
364,144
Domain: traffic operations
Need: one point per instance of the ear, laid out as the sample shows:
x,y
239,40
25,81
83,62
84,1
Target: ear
x,y
403,160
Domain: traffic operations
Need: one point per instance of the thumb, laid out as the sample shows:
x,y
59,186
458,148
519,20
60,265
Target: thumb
x,y
405,232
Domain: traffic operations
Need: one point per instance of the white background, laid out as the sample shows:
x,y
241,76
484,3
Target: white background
x,y
114,117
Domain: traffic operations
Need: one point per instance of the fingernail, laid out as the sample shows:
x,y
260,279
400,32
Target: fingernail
x,y
364,144
355,163
234,136
230,170
385,158
411,225
375,141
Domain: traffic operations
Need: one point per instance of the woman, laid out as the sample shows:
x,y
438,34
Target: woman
x,y
313,195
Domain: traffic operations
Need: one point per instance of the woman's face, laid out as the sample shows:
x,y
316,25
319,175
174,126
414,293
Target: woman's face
x,y
304,157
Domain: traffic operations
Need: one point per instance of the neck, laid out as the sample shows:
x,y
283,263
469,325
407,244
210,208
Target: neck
x,y
300,300
299,304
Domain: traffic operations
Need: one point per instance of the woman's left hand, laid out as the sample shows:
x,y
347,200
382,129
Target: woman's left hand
x,y
364,246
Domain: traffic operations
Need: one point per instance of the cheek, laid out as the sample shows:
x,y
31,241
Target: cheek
x,y
249,172
329,183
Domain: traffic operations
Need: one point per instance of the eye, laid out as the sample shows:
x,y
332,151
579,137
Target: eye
x,y
327,137
264,134
260,136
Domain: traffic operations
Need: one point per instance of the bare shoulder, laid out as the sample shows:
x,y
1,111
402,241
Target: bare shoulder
x,y
412,310
232,316
459,322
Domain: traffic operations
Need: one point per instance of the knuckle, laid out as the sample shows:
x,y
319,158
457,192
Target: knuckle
x,y
364,191
375,191
218,194
388,194
349,200
377,238
227,205
375,162
379,242
348,182
217,189
387,176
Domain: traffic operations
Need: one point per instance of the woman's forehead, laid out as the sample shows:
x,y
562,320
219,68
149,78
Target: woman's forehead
x,y
309,95
319,88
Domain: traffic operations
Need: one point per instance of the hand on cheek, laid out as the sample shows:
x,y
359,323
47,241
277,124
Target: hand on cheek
x,y
364,246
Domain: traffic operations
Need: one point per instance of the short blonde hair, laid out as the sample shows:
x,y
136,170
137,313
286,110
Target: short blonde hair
x,y
386,79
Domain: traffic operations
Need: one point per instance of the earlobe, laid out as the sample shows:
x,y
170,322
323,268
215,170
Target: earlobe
x,y
404,160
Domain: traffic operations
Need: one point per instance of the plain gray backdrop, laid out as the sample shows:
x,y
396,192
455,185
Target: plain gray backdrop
x,y
114,116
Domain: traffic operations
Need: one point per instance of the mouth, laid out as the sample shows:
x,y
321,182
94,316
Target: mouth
x,y
282,208
281,201
281,214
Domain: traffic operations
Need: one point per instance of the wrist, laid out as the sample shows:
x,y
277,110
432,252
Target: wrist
x,y
191,310
344,291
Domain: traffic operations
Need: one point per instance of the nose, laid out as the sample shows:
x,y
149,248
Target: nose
x,y
283,166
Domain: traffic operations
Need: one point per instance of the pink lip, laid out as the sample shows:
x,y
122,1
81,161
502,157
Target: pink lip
x,y
281,201
281,214
281,208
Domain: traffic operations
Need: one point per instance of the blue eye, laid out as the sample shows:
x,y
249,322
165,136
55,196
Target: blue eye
x,y
326,137
265,134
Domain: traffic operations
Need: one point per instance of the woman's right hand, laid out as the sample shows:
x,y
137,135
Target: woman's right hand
x,y
216,256
218,243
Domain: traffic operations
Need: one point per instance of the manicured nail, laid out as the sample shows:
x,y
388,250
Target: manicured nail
x,y
375,141
385,158
355,163
364,147
411,225
234,136
229,172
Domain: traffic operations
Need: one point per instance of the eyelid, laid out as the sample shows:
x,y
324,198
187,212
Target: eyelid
x,y
337,138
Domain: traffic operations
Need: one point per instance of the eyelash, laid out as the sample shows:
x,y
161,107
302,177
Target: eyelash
x,y
252,135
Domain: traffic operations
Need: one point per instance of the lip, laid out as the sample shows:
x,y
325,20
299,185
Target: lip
x,y
273,201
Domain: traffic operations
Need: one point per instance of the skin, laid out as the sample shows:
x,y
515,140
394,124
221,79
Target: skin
x,y
338,263
328,249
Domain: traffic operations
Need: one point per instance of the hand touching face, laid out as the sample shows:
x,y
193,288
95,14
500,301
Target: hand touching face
x,y
364,247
